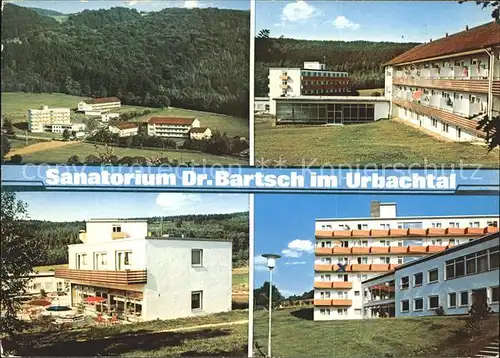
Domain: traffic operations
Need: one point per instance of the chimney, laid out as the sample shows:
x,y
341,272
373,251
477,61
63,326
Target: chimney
x,y
430,40
466,27
375,209
446,35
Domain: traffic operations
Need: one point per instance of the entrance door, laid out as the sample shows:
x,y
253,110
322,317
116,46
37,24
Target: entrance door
x,y
338,116
480,296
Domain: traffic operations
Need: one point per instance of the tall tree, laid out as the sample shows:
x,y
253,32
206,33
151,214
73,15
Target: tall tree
x,y
21,249
264,34
261,295
5,146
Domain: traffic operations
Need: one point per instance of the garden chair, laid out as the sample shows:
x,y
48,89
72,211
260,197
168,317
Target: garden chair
x,y
114,320
100,319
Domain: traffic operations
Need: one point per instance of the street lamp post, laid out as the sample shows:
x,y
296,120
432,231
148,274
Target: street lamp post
x,y
271,264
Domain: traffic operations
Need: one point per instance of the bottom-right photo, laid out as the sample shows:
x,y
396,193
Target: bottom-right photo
x,y
376,275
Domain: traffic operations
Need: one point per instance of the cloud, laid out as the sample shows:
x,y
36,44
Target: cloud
x,y
296,263
184,204
342,22
191,4
260,263
297,247
298,11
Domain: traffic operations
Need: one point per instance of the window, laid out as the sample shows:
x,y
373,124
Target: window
x,y
356,293
196,257
492,223
482,261
418,304
452,300
436,225
418,278
470,264
196,300
464,298
405,282
385,260
454,224
342,311
117,228
495,294
433,302
127,260
493,259
405,306
357,312
474,223
433,275
400,260
324,311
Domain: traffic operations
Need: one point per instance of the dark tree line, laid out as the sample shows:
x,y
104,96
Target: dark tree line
x,y
55,236
188,58
362,59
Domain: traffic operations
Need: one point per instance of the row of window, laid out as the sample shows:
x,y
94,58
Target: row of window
x,y
326,90
339,311
411,225
418,279
321,74
481,261
344,277
455,299
319,82
364,260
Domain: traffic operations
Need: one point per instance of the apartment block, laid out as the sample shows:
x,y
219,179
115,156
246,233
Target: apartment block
x,y
172,127
140,277
38,118
450,281
99,104
125,129
350,251
312,79
447,85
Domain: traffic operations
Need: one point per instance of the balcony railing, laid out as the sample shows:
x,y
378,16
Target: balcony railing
x,y
447,83
468,231
355,267
127,277
334,302
333,284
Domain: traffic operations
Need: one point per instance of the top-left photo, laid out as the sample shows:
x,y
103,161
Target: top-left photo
x,y
125,82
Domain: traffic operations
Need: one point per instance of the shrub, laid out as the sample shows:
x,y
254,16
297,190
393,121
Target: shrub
x,y
440,311
477,314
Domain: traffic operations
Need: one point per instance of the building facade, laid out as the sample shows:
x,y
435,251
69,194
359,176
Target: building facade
x,y
61,127
446,86
99,104
38,118
330,110
200,133
449,281
314,79
46,281
350,251
140,277
125,129
172,127
261,104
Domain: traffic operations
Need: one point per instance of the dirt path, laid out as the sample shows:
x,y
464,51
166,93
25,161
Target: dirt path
x,y
203,326
38,147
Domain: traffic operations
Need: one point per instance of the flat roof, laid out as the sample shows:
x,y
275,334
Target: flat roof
x,y
108,220
411,217
333,98
305,69
433,256
177,238
261,98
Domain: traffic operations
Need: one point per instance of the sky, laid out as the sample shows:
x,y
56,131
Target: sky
x,y
284,225
79,206
397,21
72,6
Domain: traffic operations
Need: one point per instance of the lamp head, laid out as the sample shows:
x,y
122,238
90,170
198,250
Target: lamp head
x,y
271,260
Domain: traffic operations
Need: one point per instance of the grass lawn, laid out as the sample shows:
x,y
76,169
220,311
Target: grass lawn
x,y
82,150
383,142
296,335
233,126
140,339
21,143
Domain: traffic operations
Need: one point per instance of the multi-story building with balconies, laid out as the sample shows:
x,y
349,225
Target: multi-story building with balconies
x,y
172,127
99,104
39,118
140,277
447,85
314,79
450,281
350,251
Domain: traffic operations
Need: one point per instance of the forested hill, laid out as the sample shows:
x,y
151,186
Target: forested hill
x,y
362,59
188,58
57,235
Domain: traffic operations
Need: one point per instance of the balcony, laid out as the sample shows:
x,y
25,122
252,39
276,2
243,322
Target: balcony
x,y
322,268
323,251
360,250
398,250
322,302
379,267
284,77
284,86
379,250
128,277
324,234
341,250
334,302
322,284
414,249
398,232
444,115
335,284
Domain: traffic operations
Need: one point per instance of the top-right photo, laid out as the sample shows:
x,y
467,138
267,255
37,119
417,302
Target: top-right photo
x,y
413,83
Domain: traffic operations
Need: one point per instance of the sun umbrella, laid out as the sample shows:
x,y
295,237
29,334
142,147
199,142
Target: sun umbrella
x,y
39,302
94,299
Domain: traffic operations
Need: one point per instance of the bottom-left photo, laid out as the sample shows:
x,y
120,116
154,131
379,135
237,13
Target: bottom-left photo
x,y
141,274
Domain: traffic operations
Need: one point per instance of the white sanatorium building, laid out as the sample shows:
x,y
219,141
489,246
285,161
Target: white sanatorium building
x,y
144,278
172,127
99,104
447,85
350,251
39,118
453,280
